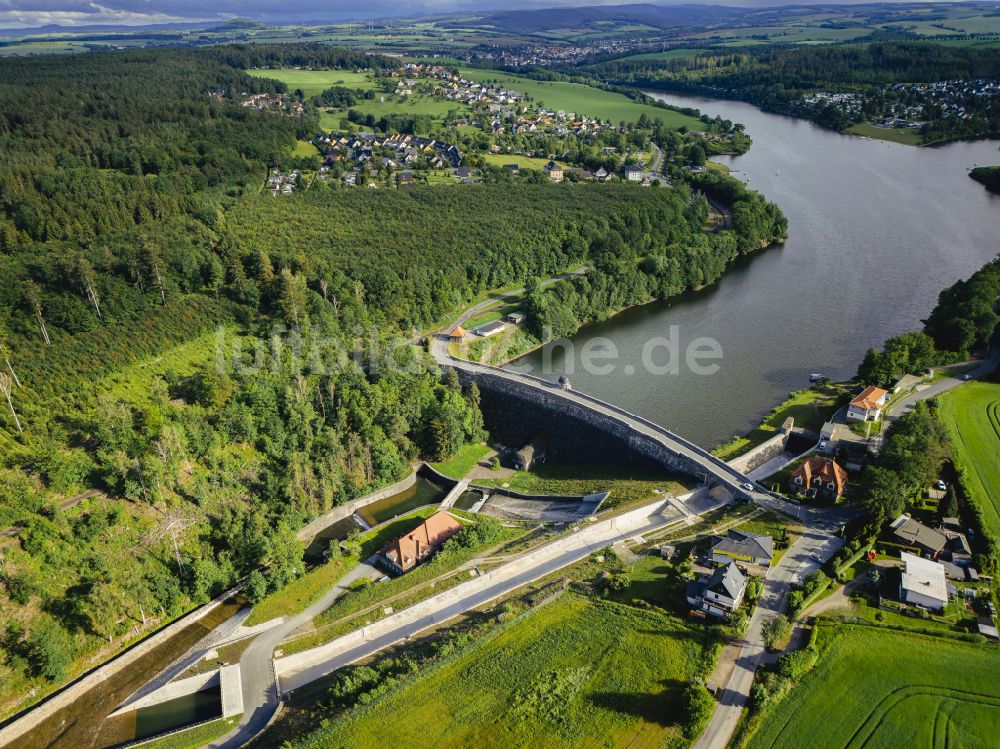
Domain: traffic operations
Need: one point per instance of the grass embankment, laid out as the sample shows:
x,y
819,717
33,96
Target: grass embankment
x,y
906,135
625,484
301,593
810,408
573,673
971,413
582,99
890,690
988,177
193,737
462,461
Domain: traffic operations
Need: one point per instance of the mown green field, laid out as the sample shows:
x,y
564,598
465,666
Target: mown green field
x,y
313,82
576,97
907,135
881,689
971,414
682,53
575,673
523,162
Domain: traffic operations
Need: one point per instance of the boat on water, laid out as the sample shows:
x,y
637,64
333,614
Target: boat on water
x,y
815,377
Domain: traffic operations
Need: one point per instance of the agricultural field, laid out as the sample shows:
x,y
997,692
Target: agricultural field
x,y
313,82
573,673
971,413
582,99
890,690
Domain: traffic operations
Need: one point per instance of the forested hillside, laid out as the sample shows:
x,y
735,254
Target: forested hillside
x,y
776,78
138,258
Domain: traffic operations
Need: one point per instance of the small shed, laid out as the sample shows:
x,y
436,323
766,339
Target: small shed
x,y
457,335
515,318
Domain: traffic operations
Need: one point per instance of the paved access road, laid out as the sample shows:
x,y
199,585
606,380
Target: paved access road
x,y
795,565
905,404
301,668
260,693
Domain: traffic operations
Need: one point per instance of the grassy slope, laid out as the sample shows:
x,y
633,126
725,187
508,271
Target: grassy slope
x,y
972,415
298,595
571,674
576,97
625,484
889,690
463,461
810,408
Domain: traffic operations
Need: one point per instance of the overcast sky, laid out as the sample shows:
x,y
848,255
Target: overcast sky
x,y
29,13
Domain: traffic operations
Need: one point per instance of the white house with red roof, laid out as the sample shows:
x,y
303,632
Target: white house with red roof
x,y
867,405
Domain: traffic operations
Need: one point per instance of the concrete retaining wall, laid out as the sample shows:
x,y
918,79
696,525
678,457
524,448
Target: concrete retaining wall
x,y
342,512
759,455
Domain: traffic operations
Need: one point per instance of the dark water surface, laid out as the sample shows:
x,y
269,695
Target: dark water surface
x,y
876,230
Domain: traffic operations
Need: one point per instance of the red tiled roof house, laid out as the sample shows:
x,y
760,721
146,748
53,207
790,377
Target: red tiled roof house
x,y
819,477
409,550
867,405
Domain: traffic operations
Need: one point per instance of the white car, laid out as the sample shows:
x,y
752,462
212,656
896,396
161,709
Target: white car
x,y
966,377
940,485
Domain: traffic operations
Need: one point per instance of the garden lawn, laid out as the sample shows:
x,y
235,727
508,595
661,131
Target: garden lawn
x,y
971,413
582,99
301,593
574,673
890,690
313,82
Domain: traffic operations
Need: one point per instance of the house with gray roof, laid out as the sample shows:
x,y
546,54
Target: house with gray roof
x,y
909,532
720,593
737,546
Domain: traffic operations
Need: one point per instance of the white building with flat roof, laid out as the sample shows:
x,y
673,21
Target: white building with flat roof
x,y
923,582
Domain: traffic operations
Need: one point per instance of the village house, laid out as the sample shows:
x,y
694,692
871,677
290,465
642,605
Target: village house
x,y
923,583
819,477
408,551
720,593
554,171
633,173
737,546
868,404
909,532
